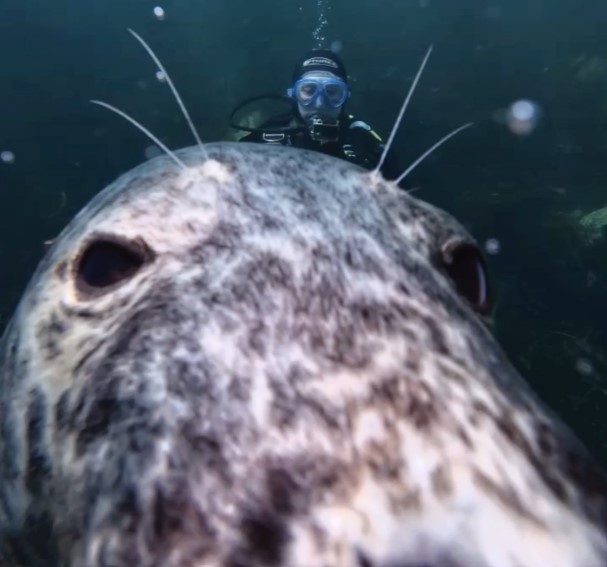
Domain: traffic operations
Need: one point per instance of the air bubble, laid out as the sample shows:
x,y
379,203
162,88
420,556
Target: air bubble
x,y
159,13
522,117
7,156
522,110
584,367
319,32
493,12
492,246
152,151
337,46
161,76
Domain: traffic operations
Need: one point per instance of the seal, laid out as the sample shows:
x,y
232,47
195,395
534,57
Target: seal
x,y
270,357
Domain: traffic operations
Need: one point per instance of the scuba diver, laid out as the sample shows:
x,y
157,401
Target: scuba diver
x,y
318,120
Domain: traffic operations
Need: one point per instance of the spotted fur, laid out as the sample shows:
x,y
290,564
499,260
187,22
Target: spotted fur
x,y
290,380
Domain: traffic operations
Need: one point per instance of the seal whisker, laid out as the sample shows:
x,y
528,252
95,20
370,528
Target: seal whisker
x,y
143,129
402,112
428,152
173,90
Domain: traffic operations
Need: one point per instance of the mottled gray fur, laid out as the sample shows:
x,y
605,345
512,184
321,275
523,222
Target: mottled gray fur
x,y
290,379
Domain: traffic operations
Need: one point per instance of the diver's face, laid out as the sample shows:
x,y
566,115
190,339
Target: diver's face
x,y
319,107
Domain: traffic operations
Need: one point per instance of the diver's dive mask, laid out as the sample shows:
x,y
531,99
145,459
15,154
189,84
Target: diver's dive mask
x,y
306,91
320,100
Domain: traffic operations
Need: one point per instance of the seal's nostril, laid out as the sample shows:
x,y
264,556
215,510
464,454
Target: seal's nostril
x,y
435,562
363,559
417,561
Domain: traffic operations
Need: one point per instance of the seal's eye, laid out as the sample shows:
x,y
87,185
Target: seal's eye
x,y
105,263
466,266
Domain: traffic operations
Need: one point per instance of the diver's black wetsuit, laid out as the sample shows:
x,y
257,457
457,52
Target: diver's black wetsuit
x,y
357,142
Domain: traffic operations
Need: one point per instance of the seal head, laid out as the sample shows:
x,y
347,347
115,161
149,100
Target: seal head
x,y
272,358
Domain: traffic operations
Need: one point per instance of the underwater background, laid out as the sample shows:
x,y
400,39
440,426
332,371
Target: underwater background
x,y
536,197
